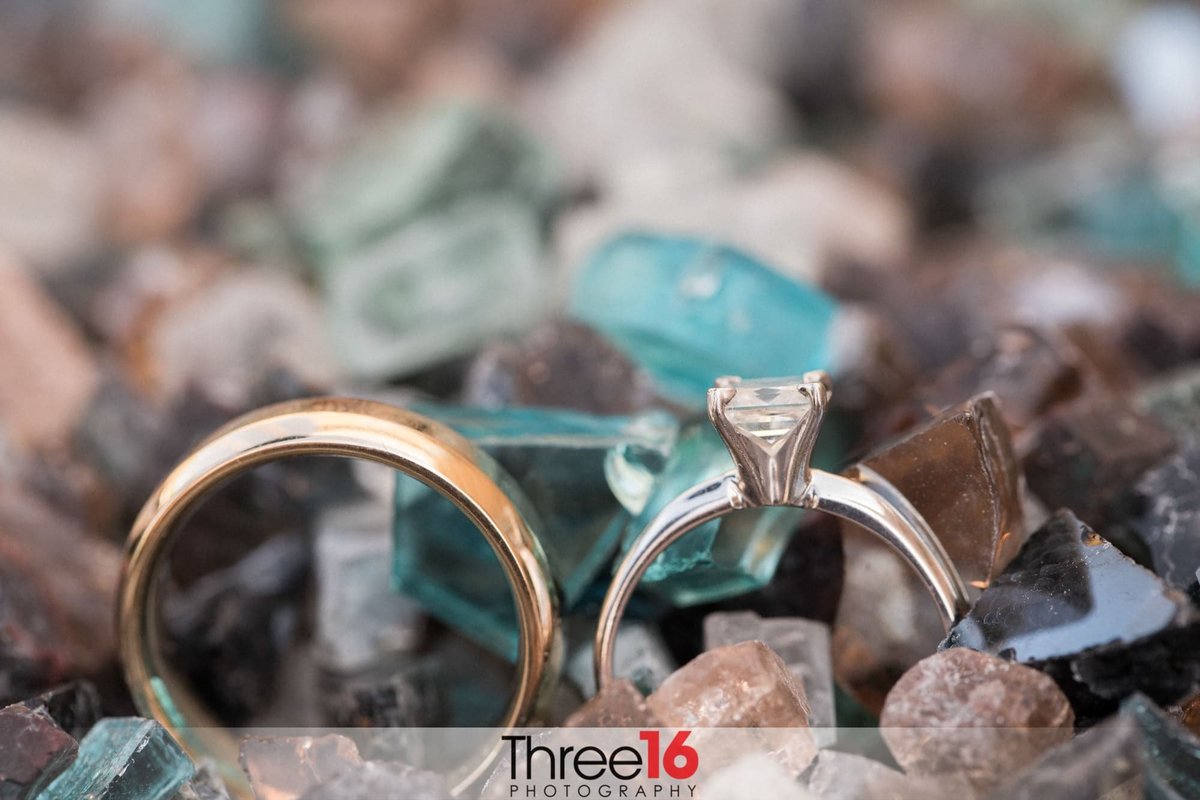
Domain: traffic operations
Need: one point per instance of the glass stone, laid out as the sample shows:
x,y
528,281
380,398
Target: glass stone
x,y
285,767
960,472
640,654
1100,760
618,705
1174,401
560,364
229,632
206,784
1170,754
753,775
361,622
124,758
847,776
690,311
1077,608
577,478
74,707
973,715
39,407
375,779
407,166
1088,453
803,644
33,751
742,685
723,558
427,292
1164,517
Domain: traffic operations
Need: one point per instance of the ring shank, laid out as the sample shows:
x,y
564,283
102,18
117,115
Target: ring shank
x,y
865,499
353,428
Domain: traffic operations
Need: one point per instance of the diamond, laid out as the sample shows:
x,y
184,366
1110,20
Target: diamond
x,y
769,409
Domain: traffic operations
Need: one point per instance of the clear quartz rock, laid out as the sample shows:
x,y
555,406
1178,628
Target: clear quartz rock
x,y
284,768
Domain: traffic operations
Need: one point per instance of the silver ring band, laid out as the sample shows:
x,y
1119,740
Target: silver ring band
x,y
775,471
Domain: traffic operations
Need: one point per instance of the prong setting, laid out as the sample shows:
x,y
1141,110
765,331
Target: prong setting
x,y
770,427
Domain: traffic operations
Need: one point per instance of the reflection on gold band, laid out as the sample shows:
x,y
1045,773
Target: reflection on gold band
x,y
350,428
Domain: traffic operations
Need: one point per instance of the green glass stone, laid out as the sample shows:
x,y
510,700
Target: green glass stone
x,y
690,311
577,479
407,166
723,558
124,758
429,291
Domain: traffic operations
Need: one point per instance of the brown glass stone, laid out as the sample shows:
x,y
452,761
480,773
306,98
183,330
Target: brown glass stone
x,y
960,472
33,751
742,685
47,374
74,574
561,364
974,715
1090,452
286,767
618,705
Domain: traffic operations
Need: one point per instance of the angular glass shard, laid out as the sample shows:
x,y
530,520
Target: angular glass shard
x,y
739,686
379,779
428,292
74,707
408,166
561,364
1090,452
959,471
618,705
1164,517
577,478
640,654
124,758
1077,608
753,775
34,750
1104,759
1170,754
723,558
803,644
690,311
1174,401
285,767
229,632
973,715
961,474
361,622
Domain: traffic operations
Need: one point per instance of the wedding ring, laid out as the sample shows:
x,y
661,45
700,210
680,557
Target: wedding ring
x,y
409,443
770,427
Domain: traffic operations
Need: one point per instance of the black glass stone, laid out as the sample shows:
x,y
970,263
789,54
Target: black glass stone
x,y
1076,607
1161,518
74,707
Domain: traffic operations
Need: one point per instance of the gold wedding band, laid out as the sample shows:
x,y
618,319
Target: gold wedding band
x,y
351,428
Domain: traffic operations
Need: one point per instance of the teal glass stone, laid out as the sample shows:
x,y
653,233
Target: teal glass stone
x,y
690,311
735,554
577,479
124,758
430,291
407,166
